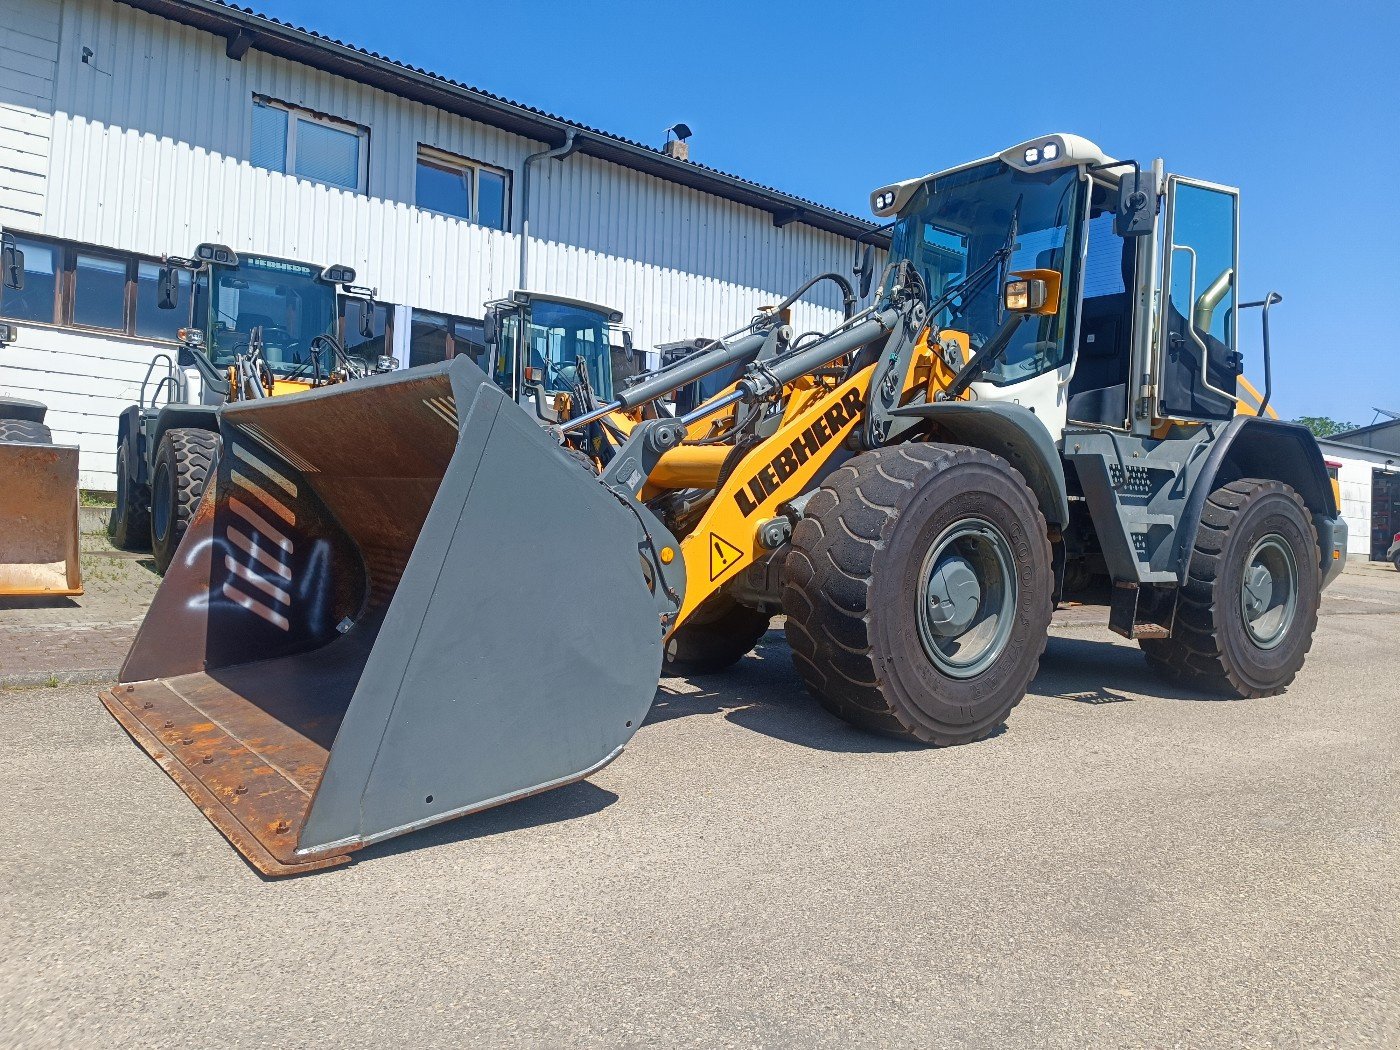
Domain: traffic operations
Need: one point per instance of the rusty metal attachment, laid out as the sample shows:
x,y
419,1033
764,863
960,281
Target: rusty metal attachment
x,y
38,518
348,644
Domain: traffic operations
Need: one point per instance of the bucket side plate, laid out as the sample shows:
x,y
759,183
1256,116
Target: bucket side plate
x,y
39,520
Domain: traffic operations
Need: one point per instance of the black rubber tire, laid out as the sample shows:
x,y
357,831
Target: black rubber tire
x,y
130,523
25,431
851,581
185,462
719,634
1210,646
1396,563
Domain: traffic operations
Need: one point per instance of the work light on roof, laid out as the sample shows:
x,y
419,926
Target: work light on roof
x,y
1032,155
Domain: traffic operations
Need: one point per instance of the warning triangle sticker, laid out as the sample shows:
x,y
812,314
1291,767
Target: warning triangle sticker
x,y
722,555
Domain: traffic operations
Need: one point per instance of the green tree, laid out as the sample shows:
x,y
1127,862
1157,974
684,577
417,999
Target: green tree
x,y
1324,426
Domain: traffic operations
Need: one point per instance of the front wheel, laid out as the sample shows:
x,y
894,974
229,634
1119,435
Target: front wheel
x,y
1247,611
917,592
185,462
130,524
719,635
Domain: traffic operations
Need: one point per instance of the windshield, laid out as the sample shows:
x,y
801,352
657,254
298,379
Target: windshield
x,y
284,298
954,224
558,336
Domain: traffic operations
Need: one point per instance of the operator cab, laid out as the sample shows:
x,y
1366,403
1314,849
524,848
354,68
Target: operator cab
x,y
289,309
1057,214
546,350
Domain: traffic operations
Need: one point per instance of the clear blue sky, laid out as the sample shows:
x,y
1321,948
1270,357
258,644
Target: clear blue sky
x,y
1296,103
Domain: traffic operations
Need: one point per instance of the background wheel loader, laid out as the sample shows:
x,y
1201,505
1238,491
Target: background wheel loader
x,y
259,327
38,485
1046,379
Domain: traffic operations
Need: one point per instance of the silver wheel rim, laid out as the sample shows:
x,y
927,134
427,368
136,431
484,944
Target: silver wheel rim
x,y
966,603
1269,591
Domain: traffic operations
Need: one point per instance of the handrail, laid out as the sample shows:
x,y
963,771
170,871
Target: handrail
x,y
1269,300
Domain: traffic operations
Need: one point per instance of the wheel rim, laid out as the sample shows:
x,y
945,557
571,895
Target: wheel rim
x,y
1269,591
160,502
967,597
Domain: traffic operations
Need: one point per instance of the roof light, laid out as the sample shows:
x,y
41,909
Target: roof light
x,y
216,253
1050,150
1032,155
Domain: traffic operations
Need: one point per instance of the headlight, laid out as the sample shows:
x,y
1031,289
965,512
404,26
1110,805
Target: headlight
x,y
386,363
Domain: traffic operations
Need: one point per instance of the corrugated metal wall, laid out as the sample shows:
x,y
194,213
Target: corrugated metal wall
x,y
149,151
28,54
152,158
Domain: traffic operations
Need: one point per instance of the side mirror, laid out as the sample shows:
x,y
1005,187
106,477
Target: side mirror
x,y
1032,292
491,327
168,288
367,319
12,262
1135,209
865,270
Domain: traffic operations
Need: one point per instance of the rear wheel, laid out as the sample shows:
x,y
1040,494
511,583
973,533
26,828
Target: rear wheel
x,y
184,464
1247,611
918,592
25,431
717,636
130,524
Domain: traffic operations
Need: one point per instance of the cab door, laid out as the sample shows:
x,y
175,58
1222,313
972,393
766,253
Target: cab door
x,y
1198,360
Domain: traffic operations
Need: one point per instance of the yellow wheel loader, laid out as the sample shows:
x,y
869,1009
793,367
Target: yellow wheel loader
x,y
258,327
38,485
350,648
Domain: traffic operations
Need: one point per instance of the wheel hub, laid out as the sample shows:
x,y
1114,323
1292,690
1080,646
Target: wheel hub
x,y
967,598
953,597
1269,591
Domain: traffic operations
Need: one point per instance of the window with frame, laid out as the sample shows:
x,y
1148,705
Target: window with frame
x,y
462,188
434,337
82,286
314,146
380,341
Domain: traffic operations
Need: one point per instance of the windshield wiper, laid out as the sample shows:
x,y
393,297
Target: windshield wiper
x,y
982,360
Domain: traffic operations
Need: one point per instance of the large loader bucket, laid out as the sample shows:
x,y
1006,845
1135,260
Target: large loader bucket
x,y
39,520
400,603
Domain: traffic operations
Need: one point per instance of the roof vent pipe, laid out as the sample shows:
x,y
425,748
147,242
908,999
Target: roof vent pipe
x,y
571,144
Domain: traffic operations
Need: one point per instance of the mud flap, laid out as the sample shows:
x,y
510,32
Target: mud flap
x,y
399,603
39,520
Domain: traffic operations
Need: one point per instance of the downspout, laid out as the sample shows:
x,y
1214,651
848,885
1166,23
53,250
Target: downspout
x,y
571,145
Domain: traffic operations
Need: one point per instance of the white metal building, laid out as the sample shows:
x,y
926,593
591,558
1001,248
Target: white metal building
x,y
1369,477
133,130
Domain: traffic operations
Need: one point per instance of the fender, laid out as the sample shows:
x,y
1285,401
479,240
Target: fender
x,y
1013,432
1250,447
192,417
131,443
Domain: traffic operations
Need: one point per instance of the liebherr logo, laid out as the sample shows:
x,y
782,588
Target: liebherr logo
x,y
802,448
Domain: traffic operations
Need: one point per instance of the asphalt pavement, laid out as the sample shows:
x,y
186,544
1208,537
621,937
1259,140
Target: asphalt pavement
x,y
1124,865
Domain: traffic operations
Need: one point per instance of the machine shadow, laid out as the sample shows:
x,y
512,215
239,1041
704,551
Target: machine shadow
x,y
764,694
551,807
15,602
1094,672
